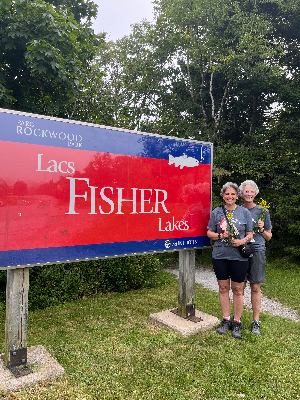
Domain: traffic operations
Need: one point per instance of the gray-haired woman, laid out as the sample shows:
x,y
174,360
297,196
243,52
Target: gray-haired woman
x,y
230,226
257,263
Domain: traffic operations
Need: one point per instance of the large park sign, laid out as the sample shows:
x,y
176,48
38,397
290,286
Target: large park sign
x,y
71,190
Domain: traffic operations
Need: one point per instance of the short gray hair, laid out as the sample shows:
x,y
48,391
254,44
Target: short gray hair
x,y
229,185
250,183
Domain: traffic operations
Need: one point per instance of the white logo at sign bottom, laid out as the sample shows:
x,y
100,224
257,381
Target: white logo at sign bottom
x,y
167,244
178,243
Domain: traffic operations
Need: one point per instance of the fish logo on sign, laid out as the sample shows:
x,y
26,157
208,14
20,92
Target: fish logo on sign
x,y
183,161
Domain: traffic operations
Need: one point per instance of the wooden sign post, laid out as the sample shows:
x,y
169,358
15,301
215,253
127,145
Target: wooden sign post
x,y
16,317
186,292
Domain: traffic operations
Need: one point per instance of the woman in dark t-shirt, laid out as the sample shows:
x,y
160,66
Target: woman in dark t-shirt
x,y
230,227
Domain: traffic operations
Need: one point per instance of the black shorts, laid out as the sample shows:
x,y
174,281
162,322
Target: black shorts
x,y
230,269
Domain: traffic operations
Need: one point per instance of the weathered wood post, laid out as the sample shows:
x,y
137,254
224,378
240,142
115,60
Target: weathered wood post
x,y
186,293
16,317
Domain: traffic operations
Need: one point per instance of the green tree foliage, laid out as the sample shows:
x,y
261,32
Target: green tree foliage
x,y
133,79
45,49
197,66
81,9
223,71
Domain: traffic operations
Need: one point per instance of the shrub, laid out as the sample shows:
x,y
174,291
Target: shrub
x,y
53,284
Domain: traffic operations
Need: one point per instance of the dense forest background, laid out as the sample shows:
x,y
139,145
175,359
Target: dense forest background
x,y
222,71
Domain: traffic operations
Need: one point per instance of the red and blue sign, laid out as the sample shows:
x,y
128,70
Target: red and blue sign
x,y
73,191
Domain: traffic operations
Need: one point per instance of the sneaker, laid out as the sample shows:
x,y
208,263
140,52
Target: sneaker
x,y
236,330
240,320
255,328
225,326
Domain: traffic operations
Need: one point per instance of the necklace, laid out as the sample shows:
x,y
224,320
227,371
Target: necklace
x,y
230,211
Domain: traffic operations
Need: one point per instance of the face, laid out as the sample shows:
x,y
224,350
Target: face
x,y
248,194
230,196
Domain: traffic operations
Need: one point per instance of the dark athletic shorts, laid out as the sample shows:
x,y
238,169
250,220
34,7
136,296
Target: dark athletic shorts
x,y
234,269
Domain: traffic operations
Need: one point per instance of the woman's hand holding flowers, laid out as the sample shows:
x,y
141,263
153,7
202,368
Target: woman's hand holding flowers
x,y
260,224
237,242
225,234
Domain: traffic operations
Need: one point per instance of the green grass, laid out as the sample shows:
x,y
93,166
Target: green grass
x,y
110,350
283,281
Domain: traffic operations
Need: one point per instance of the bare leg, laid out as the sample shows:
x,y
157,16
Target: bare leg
x,y
224,286
255,300
238,299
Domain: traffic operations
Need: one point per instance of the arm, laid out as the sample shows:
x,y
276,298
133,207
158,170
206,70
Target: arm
x,y
266,233
212,226
246,239
215,236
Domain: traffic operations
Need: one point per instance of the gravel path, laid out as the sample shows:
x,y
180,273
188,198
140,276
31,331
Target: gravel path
x,y
206,277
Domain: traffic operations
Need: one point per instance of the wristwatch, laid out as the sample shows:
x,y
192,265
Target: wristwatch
x,y
219,235
263,229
